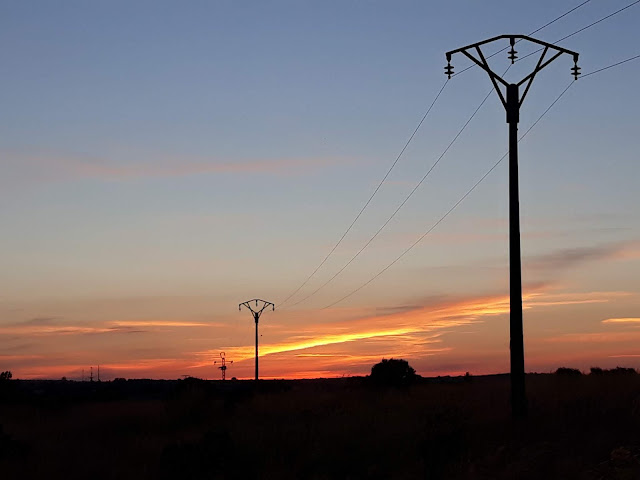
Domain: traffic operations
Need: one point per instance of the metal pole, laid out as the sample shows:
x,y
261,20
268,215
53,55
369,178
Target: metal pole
x,y
518,393
256,317
512,104
259,306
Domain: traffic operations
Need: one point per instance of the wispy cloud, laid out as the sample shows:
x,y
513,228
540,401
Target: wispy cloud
x,y
64,167
595,337
52,326
574,257
625,321
538,299
410,325
185,168
246,353
159,323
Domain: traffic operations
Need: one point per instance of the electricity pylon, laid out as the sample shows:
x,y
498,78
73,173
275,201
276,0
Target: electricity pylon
x,y
512,101
223,367
256,316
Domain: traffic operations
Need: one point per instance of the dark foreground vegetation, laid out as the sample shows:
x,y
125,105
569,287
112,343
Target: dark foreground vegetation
x,y
579,426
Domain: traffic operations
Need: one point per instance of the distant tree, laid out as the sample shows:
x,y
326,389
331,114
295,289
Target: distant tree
x,y
64,379
570,372
6,375
596,371
622,371
394,372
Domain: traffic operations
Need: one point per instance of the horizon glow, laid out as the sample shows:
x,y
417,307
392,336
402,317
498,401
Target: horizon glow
x,y
162,164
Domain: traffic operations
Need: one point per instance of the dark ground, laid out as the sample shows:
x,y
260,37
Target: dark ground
x,y
584,427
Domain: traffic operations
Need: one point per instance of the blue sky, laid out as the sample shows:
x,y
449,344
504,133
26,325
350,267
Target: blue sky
x,y
154,152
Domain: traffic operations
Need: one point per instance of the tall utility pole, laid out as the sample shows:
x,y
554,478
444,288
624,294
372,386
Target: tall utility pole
x,y
512,101
256,316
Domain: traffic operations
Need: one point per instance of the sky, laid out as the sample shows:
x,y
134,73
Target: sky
x,y
163,162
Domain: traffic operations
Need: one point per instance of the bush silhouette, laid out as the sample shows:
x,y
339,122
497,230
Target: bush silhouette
x,y
392,372
571,372
613,371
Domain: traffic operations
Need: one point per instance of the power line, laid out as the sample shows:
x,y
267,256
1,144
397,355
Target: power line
x,y
427,174
610,66
389,171
598,21
558,18
531,33
472,188
371,197
584,28
445,215
404,201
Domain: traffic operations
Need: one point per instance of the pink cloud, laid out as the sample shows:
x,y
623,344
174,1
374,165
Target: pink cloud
x,y
47,167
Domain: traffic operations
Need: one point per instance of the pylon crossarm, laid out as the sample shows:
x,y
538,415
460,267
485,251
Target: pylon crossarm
x,y
519,37
532,76
539,66
248,303
485,66
265,305
493,76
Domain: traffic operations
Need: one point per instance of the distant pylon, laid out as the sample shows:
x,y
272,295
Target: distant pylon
x,y
256,317
223,367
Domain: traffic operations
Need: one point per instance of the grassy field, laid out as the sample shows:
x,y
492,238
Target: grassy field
x,y
579,427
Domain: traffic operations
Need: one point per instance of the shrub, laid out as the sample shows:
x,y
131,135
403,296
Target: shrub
x,y
393,372
622,371
613,371
571,372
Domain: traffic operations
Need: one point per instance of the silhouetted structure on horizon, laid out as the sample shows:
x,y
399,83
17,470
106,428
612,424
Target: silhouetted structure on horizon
x,y
256,316
223,367
512,101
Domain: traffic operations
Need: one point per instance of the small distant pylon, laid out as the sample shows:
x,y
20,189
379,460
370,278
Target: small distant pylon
x,y
223,366
256,317
91,375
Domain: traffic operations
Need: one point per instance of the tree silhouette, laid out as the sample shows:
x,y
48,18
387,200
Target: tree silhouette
x,y
393,372
569,372
6,375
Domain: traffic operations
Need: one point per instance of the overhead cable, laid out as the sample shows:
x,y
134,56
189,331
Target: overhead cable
x,y
455,205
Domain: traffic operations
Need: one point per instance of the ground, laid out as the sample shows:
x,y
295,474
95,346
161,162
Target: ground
x,y
583,427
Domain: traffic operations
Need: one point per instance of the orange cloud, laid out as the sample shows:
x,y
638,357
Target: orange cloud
x,y
117,326
43,330
159,323
595,337
245,353
314,348
629,320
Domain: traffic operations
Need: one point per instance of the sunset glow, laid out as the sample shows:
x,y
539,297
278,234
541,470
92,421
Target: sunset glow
x,y
159,170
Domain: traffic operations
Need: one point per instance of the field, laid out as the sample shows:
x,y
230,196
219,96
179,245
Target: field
x,y
585,427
